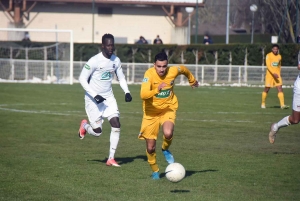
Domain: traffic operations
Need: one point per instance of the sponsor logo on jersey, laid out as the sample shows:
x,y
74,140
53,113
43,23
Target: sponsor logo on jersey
x,y
87,67
114,65
145,79
275,64
106,76
163,93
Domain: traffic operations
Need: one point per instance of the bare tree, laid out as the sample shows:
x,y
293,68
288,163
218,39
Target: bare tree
x,y
278,17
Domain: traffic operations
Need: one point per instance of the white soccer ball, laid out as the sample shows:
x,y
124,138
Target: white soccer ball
x,y
175,172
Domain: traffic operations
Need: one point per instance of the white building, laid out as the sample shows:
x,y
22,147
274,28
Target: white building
x,y
127,20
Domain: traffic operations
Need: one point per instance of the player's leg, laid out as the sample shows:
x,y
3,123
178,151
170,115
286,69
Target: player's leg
x,y
167,122
111,112
149,131
151,156
294,118
264,97
269,80
281,95
114,140
94,113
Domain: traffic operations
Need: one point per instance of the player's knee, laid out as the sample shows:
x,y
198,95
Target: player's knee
x,y
168,134
294,121
97,131
114,122
150,149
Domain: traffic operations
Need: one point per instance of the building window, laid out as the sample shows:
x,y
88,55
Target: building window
x,y
105,11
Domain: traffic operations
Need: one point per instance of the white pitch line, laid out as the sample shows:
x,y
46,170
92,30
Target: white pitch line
x,y
66,114
35,112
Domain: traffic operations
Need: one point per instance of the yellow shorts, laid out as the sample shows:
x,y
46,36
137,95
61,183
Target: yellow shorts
x,y
270,81
150,124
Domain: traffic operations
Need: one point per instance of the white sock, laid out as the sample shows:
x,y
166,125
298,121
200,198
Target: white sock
x,y
90,130
114,140
282,123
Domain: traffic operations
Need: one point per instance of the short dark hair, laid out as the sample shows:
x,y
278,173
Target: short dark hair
x,y
275,45
162,56
107,36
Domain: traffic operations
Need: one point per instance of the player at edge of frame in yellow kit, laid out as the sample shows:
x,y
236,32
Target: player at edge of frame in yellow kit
x,y
159,107
273,77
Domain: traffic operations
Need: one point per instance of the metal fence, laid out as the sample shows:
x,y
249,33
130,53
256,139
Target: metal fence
x,y
45,71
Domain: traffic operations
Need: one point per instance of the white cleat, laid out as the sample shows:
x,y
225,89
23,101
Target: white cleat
x,y
272,134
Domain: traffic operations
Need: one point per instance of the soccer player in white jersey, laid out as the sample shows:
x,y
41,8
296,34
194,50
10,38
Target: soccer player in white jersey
x,y
294,118
100,103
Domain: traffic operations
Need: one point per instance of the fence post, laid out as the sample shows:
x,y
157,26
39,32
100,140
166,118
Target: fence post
x,y
230,67
240,75
202,74
182,61
245,66
133,64
12,75
196,62
263,65
149,58
216,67
52,71
26,64
45,63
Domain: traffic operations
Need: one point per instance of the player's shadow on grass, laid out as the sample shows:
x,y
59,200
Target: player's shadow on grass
x,y
276,106
189,173
124,160
179,191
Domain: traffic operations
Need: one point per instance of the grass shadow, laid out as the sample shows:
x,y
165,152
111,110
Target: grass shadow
x,y
189,173
179,191
123,160
276,106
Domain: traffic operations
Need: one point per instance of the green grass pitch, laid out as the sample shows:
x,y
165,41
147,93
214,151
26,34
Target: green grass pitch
x,y
221,138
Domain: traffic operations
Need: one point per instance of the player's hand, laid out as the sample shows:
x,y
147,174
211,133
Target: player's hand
x,y
99,99
196,84
275,75
128,97
161,86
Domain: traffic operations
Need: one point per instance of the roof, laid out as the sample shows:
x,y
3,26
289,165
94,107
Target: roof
x,y
191,3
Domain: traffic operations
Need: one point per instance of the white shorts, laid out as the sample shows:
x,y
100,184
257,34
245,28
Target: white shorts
x,y
96,112
296,97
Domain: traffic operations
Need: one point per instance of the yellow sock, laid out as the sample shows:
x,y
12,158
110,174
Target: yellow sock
x,y
281,98
166,143
263,98
152,161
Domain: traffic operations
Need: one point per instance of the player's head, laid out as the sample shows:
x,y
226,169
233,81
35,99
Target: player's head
x,y
161,63
108,45
275,49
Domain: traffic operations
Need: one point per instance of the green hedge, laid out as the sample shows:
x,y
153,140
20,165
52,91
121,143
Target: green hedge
x,y
177,53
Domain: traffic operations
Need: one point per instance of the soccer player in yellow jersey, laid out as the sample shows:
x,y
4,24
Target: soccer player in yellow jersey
x,y
159,107
273,77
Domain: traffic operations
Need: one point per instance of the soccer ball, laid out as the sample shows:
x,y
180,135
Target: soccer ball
x,y
175,172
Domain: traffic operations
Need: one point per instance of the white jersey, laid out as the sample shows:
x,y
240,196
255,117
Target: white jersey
x,y
96,75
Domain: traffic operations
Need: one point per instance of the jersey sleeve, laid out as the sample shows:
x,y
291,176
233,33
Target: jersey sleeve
x,y
85,74
121,77
146,88
185,71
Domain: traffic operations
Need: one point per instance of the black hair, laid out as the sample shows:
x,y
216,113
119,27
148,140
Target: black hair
x,y
162,56
275,45
107,36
